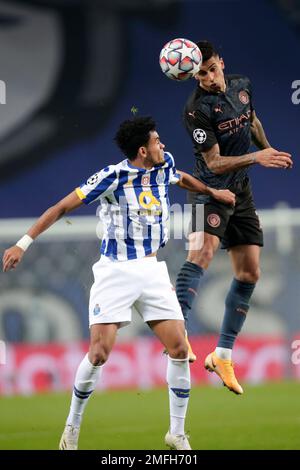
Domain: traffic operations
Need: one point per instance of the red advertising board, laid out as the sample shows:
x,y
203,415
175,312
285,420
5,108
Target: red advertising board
x,y
141,363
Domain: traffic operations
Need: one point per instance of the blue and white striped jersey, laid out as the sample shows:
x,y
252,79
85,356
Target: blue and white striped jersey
x,y
134,207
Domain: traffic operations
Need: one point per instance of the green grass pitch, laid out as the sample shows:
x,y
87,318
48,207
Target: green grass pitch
x,y
265,417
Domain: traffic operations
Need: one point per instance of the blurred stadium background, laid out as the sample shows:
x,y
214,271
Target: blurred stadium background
x,y
73,70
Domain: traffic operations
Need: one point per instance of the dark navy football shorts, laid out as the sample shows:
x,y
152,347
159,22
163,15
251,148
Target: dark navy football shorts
x,y
238,225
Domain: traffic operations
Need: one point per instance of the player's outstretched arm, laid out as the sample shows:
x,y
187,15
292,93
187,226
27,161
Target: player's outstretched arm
x,y
269,158
192,184
13,255
257,133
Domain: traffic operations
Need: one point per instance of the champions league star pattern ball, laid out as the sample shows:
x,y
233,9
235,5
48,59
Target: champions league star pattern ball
x,y
180,59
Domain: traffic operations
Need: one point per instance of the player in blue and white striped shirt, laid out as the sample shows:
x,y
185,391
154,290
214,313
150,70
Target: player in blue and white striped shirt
x,y
134,209
134,206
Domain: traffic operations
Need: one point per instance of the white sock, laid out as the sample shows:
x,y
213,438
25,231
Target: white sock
x,y
179,382
224,353
86,379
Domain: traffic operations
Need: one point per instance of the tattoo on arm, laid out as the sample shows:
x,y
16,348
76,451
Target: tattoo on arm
x,y
219,165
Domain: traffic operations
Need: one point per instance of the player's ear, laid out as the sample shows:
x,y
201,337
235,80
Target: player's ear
x,y
197,77
142,151
222,63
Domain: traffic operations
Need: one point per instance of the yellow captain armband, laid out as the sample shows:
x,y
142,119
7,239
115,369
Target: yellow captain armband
x,y
80,194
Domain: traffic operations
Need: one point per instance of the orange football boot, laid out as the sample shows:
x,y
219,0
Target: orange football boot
x,y
224,369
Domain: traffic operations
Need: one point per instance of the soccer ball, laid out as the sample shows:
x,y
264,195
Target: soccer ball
x,y
180,59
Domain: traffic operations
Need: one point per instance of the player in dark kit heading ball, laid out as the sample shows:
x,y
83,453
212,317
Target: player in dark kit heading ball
x,y
220,118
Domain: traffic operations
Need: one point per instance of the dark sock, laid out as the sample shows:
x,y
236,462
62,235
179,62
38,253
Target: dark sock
x,y
187,284
236,308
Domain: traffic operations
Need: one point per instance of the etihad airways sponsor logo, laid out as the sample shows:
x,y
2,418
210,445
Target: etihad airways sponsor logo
x,y
235,123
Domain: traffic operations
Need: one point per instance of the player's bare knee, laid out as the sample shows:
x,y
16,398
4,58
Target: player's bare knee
x,y
179,351
207,254
250,276
203,257
98,355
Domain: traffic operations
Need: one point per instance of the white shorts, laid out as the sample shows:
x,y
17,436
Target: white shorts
x,y
142,283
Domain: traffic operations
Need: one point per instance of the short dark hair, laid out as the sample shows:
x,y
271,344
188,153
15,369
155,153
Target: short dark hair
x,y
133,134
207,49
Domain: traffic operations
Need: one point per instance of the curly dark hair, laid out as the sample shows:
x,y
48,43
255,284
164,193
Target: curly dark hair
x,y
133,134
207,49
